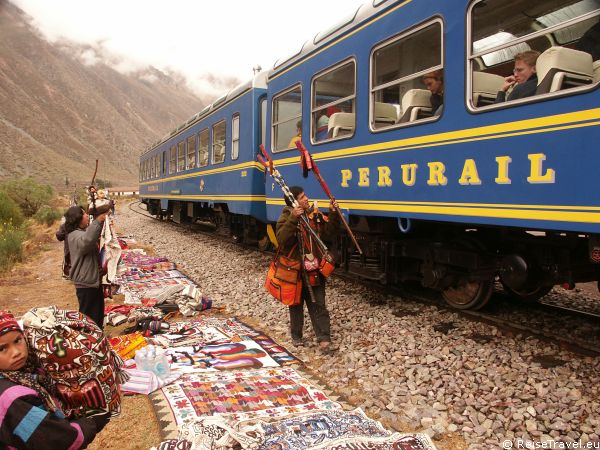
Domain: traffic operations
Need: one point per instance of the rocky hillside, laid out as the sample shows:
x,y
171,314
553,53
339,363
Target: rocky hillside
x,y
57,114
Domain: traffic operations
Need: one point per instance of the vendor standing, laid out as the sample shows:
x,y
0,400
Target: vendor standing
x,y
83,240
288,235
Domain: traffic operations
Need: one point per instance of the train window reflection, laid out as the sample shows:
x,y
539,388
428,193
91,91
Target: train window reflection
x,y
287,114
333,110
400,73
235,136
542,36
191,152
203,148
172,159
218,142
181,157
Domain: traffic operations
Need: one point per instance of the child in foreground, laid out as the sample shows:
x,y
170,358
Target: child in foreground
x,y
29,417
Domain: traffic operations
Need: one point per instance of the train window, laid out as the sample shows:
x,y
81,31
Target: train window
x,y
407,78
235,136
191,152
203,148
164,163
157,165
287,114
516,51
333,96
181,156
263,120
172,159
151,164
218,142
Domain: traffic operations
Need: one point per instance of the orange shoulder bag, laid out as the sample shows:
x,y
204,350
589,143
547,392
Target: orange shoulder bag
x,y
283,279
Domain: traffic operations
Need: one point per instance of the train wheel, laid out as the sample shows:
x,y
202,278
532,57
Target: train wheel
x,y
531,293
469,294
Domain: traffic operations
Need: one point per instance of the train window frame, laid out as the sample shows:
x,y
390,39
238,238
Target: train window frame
x,y
181,151
172,159
152,167
235,136
207,152
406,33
157,164
315,110
293,119
472,62
214,143
164,163
192,153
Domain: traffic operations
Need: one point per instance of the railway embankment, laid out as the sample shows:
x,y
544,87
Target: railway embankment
x,y
412,365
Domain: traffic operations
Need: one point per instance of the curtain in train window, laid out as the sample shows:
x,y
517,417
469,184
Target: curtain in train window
x,y
287,115
407,78
191,152
235,136
333,96
173,159
181,156
218,142
203,148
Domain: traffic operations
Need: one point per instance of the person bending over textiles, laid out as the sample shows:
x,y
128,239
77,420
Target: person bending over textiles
x,y
29,415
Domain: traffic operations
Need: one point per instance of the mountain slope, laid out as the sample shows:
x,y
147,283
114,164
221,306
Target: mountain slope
x,y
57,115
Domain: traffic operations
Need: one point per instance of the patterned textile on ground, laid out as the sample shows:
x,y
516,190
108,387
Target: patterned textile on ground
x,y
118,314
206,330
227,356
173,444
242,395
83,371
310,430
127,344
145,382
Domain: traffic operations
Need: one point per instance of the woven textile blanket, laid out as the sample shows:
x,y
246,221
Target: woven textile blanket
x,y
243,395
84,371
307,430
232,329
397,441
226,356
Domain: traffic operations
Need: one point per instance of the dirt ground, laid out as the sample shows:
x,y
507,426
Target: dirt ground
x,y
37,282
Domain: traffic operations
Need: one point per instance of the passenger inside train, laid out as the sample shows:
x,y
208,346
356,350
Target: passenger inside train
x,y
523,82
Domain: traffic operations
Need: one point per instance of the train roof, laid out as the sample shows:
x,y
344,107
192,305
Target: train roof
x,y
361,14
258,81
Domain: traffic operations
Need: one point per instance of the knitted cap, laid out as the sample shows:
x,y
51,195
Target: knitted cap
x,y
8,323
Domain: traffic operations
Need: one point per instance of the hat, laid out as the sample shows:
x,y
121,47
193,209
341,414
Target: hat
x,y
8,323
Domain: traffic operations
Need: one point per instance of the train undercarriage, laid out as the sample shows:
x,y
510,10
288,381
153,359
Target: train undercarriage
x,y
462,263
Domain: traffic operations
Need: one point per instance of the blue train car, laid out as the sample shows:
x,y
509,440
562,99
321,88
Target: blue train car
x,y
205,170
443,182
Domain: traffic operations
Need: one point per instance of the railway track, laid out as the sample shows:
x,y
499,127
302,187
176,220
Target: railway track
x,y
535,319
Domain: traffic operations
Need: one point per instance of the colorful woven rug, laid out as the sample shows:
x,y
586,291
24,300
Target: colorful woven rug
x,y
237,395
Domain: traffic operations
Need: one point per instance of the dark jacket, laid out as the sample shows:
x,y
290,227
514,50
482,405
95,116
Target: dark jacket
x,y
26,424
83,246
522,90
287,227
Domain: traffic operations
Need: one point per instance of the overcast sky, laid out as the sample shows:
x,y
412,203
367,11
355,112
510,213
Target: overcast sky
x,y
195,37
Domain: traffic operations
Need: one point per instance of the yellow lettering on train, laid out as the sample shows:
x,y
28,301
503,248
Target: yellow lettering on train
x,y
537,175
346,176
409,174
363,176
469,173
436,174
503,162
384,176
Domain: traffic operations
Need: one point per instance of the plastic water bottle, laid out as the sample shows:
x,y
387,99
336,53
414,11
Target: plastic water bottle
x,y
161,365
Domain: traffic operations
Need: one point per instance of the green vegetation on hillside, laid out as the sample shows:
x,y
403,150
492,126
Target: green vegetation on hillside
x,y
22,201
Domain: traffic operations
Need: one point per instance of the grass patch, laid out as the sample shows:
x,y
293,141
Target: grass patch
x,y
11,246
